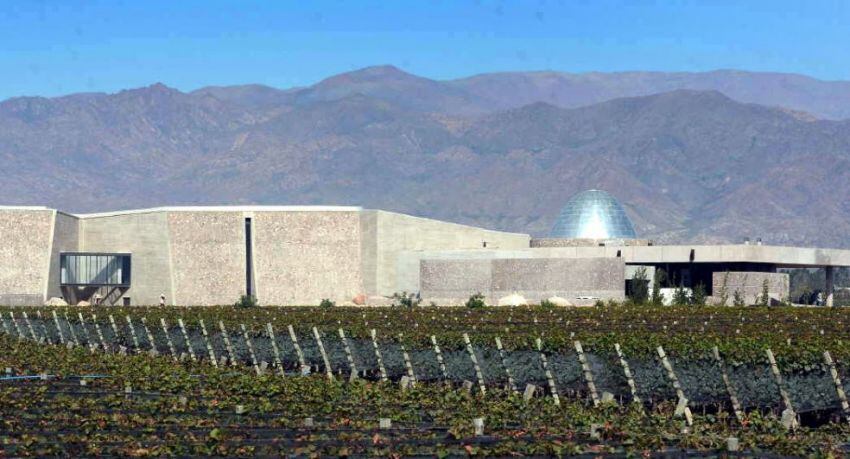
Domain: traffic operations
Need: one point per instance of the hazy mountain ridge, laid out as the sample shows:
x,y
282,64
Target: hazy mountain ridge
x,y
688,165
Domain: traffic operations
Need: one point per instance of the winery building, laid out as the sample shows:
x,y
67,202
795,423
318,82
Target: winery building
x,y
300,255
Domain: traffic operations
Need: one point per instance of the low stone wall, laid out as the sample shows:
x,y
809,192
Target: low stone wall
x,y
750,285
453,281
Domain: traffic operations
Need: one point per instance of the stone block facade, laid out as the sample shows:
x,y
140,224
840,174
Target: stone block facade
x,y
25,238
750,285
454,281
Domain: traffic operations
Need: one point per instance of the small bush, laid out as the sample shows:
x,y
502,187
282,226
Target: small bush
x,y
405,299
476,301
246,301
599,304
326,303
738,300
546,304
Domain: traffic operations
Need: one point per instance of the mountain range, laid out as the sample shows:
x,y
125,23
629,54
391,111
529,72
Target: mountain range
x,y
694,157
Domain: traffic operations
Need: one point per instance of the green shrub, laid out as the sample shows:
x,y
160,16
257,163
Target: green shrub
x,y
764,299
476,301
246,301
738,300
680,296
546,304
639,291
405,299
657,298
699,295
599,304
326,303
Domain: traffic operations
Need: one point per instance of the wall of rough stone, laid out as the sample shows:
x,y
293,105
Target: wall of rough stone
x,y
534,278
207,253
398,234
66,238
143,235
750,285
25,236
304,257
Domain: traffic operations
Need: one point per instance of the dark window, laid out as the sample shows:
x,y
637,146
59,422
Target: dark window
x,y
249,259
126,301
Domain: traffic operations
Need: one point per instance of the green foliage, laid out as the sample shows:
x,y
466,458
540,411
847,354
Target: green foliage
x,y
699,295
476,301
723,294
599,304
657,298
738,299
326,303
639,293
764,298
681,297
546,304
246,301
405,299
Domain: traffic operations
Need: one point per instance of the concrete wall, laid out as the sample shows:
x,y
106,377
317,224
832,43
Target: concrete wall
x,y
207,253
143,235
304,257
750,285
397,236
453,281
66,238
25,236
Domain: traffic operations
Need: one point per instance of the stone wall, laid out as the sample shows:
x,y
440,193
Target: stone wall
x,y
25,236
750,285
584,242
207,256
66,238
398,234
145,237
534,278
304,257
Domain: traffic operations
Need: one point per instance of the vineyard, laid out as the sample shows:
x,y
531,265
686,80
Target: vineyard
x,y
424,381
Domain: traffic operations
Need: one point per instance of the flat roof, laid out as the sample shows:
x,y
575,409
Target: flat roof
x,y
248,208
783,257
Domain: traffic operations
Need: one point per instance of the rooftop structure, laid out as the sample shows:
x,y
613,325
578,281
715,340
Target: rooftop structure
x,y
593,214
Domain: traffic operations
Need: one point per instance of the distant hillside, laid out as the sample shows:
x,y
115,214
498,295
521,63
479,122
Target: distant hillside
x,y
689,165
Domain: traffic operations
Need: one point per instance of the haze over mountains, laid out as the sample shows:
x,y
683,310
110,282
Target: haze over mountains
x,y
713,156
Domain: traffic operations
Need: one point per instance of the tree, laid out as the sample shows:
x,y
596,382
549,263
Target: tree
x,y
680,296
764,299
657,297
738,300
698,297
724,290
640,289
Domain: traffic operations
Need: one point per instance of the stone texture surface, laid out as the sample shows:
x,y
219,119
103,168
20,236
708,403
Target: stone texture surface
x,y
144,236
533,278
66,238
578,242
24,249
207,257
750,285
304,257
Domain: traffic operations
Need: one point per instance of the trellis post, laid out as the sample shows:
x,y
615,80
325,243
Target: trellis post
x,y
210,350
407,364
227,344
378,355
133,333
328,369
627,372
549,378
478,374
682,406
186,338
168,339
789,416
440,361
588,375
730,389
250,349
275,349
294,338
503,359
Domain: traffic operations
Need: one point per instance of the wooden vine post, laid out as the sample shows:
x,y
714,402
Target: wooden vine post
x,y
378,355
168,339
250,349
149,335
789,416
440,361
733,396
348,355
99,333
29,327
627,372
6,328
71,330
407,364
275,349
503,359
478,374
89,342
328,369
114,327
294,338
17,327
186,338
210,349
227,343
133,333
588,375
839,387
41,323
549,378
58,327
682,406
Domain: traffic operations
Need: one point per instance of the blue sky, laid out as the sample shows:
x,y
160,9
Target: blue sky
x,y
51,48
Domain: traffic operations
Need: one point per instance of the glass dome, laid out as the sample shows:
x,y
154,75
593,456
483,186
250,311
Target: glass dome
x,y
593,214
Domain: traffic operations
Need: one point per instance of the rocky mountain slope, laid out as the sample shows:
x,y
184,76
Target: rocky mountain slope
x,y
689,165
